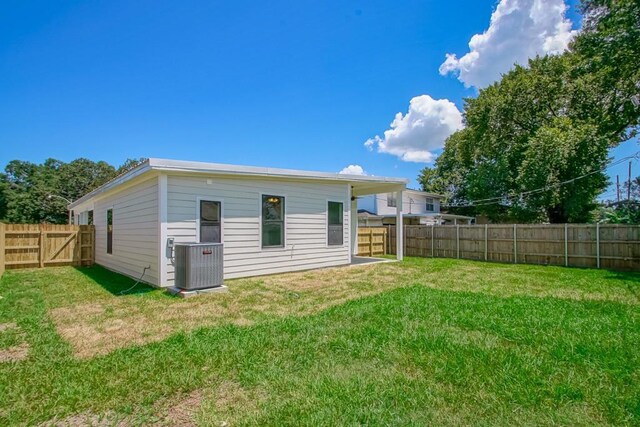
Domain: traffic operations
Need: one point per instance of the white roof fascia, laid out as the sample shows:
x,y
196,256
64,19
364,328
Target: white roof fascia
x,y
425,193
120,179
225,169
168,165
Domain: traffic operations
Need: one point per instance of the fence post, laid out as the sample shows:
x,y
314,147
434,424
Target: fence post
x,y
404,239
566,245
433,238
41,248
486,239
2,248
458,241
371,242
597,245
515,243
384,241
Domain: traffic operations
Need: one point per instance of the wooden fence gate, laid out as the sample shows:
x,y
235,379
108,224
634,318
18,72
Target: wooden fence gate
x,y
372,241
45,245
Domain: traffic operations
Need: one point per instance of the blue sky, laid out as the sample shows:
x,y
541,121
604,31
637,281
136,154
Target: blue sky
x,y
284,84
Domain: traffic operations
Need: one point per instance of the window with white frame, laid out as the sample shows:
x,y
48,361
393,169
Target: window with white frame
x,y
429,204
210,221
109,231
272,221
335,227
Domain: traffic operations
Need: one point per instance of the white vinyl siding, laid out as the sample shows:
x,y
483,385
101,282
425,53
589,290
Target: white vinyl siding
x,y
135,230
305,225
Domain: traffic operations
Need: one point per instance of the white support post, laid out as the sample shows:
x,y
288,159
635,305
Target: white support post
x,y
353,226
597,244
399,227
457,241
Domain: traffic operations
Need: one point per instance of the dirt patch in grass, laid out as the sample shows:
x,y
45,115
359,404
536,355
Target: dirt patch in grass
x,y
88,419
181,412
13,347
14,354
7,326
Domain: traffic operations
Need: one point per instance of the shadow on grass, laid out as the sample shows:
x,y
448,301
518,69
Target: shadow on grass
x,y
115,283
627,276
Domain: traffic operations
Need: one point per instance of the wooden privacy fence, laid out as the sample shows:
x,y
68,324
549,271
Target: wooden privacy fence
x,y
2,229
578,245
44,245
372,241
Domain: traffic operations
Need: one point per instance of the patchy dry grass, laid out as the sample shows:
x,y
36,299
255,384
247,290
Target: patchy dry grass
x,y
13,347
98,323
112,321
423,342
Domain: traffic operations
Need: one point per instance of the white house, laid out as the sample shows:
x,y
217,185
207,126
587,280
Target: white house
x,y
418,208
269,220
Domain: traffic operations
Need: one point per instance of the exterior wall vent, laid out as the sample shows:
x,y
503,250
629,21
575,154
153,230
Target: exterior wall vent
x,y
198,265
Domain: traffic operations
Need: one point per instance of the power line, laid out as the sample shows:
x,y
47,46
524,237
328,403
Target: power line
x,y
501,199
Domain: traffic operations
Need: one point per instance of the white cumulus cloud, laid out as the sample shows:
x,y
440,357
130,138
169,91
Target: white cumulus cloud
x,y
353,170
519,30
414,136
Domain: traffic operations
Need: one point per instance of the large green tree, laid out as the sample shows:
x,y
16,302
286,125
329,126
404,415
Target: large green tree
x,y
34,193
535,143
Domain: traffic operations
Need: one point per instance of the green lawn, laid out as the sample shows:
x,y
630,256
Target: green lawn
x,y
426,341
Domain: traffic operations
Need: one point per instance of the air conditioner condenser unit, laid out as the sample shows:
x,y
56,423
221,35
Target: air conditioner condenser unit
x,y
198,265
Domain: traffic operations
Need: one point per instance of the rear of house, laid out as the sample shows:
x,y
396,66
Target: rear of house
x,y
269,220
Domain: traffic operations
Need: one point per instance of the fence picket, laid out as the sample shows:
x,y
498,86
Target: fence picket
x,y
613,246
43,245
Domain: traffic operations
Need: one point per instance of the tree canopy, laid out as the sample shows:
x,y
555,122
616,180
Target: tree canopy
x,y
35,193
536,143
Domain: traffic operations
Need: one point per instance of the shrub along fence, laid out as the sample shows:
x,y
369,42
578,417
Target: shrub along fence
x,y
44,245
578,245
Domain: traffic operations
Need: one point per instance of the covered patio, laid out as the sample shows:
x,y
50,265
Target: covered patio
x,y
363,260
377,185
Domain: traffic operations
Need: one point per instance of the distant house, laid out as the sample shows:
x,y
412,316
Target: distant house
x,y
418,208
269,220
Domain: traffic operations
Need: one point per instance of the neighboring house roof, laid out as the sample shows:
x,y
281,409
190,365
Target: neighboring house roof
x,y
362,184
452,216
366,213
429,215
424,193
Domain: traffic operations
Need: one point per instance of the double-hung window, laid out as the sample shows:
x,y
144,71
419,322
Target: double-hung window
x,y
429,204
109,231
210,221
272,221
335,227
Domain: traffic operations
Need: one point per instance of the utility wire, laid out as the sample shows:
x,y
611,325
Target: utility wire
x,y
500,199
